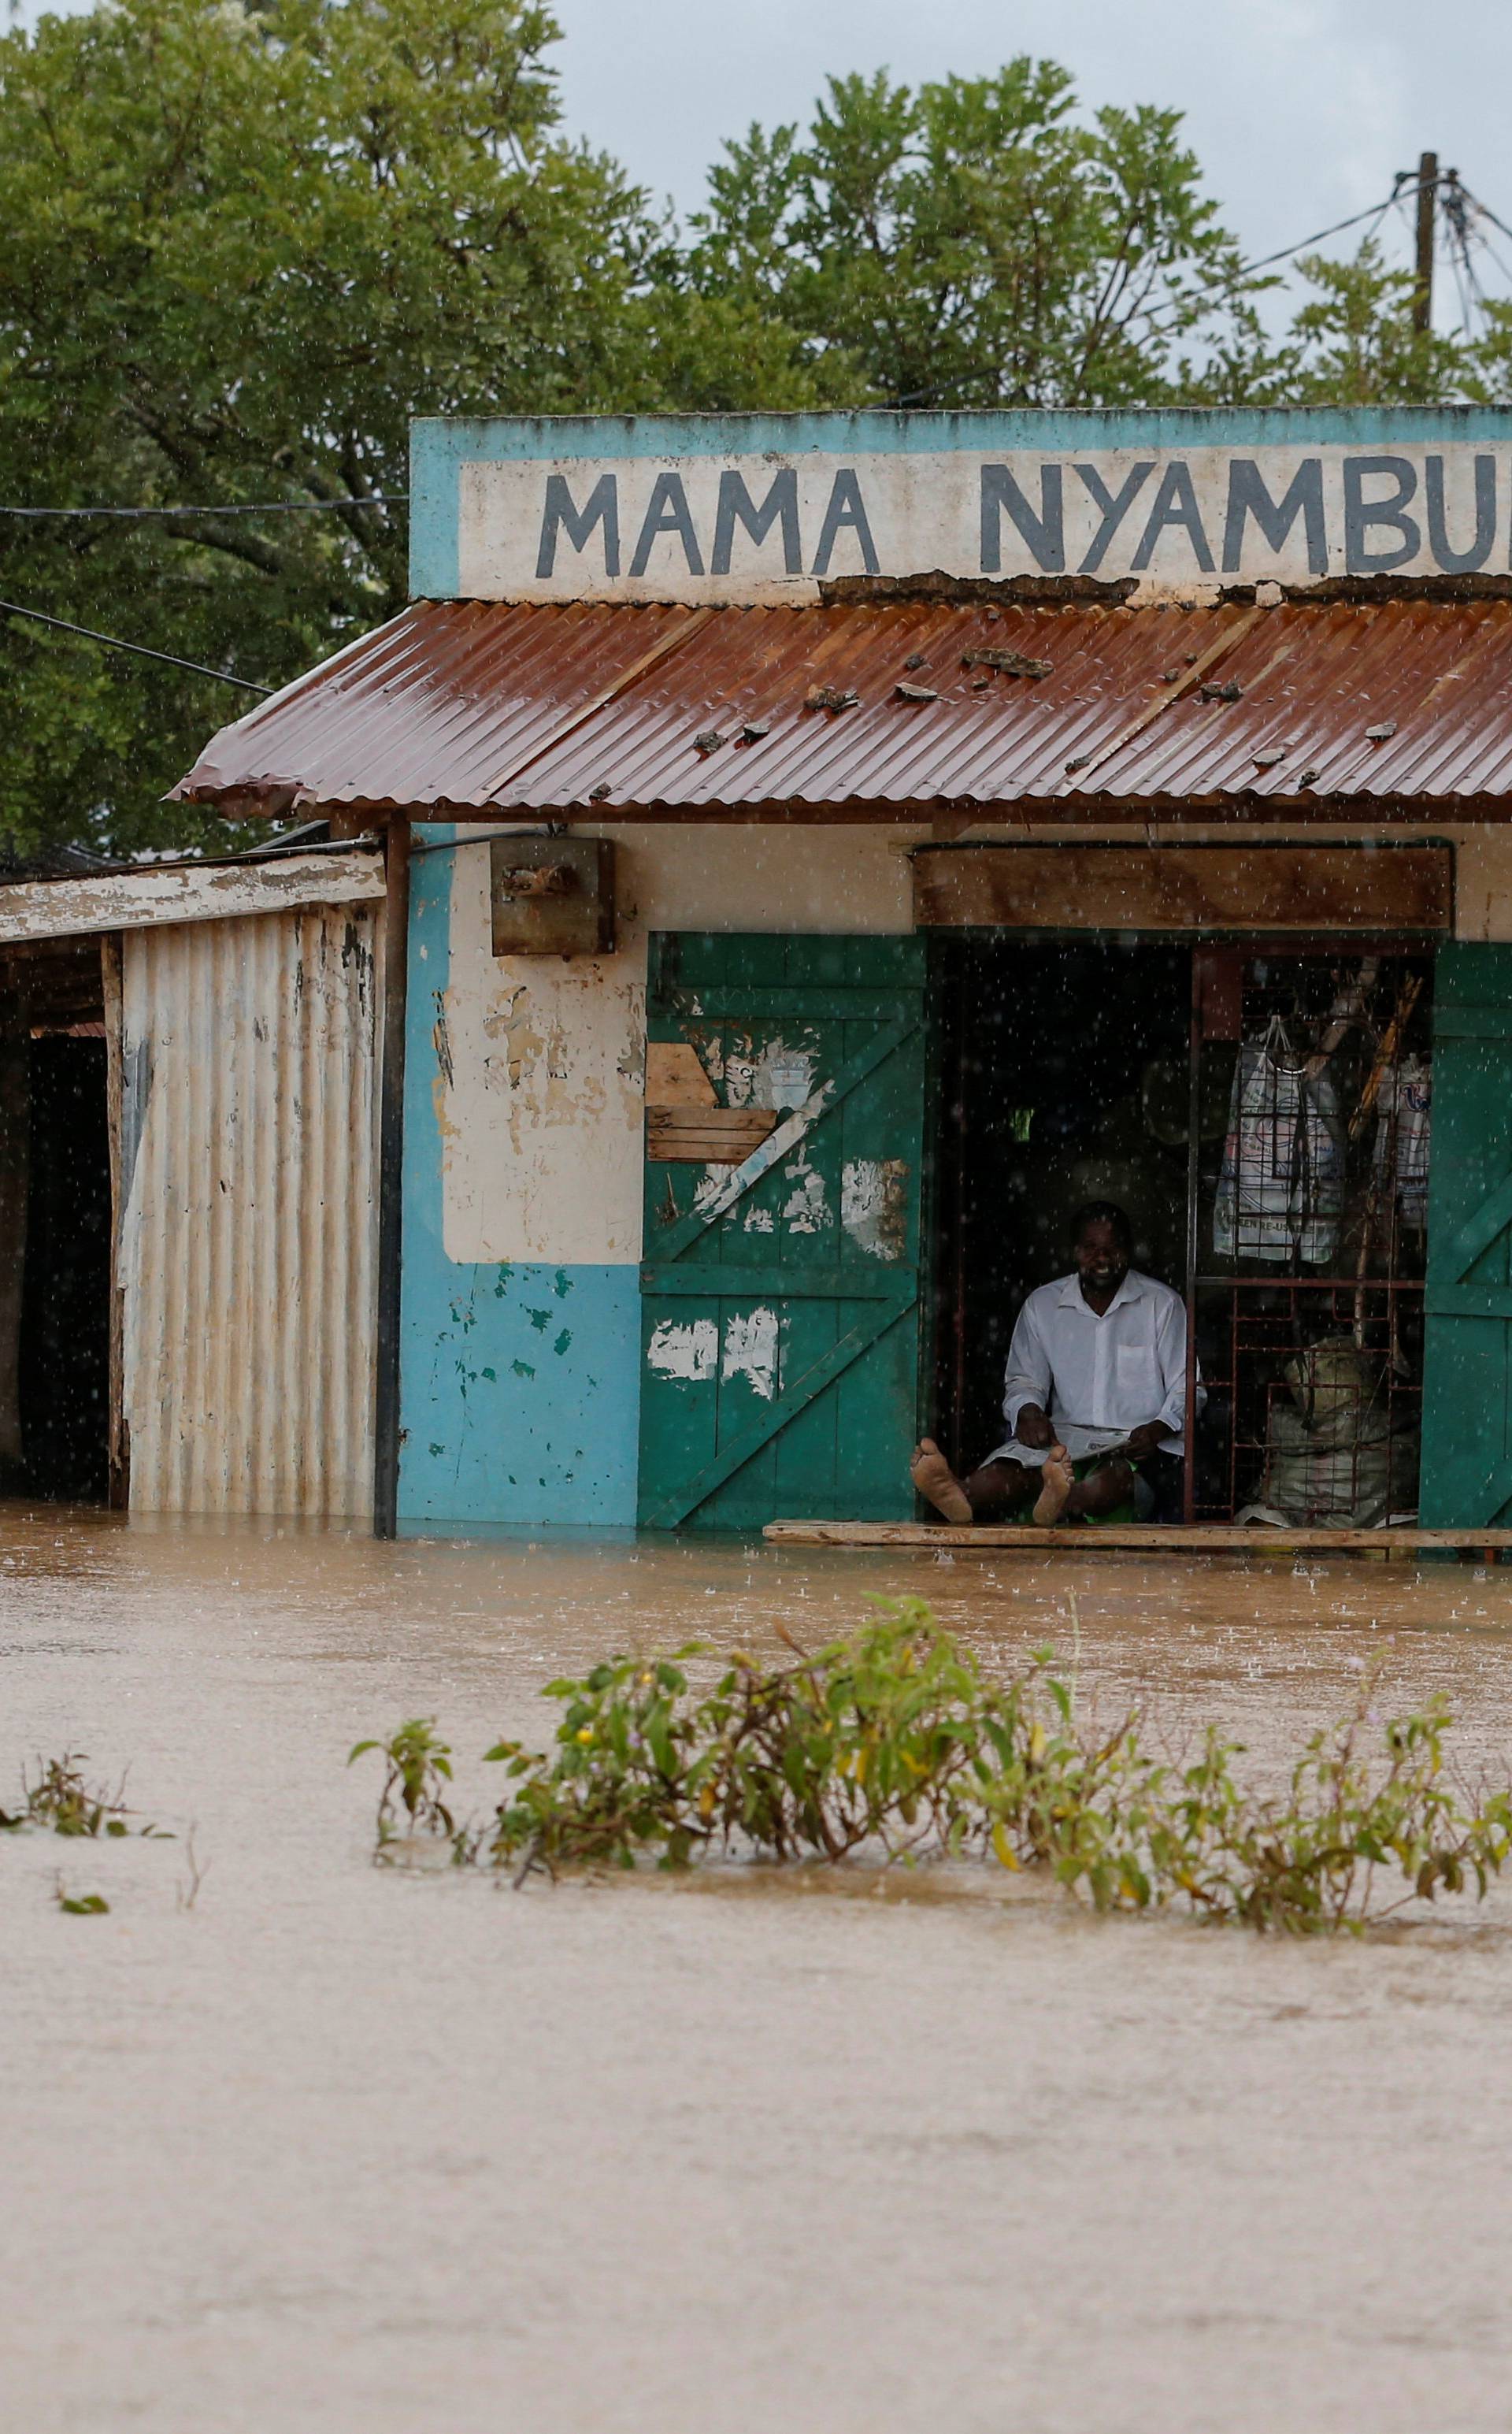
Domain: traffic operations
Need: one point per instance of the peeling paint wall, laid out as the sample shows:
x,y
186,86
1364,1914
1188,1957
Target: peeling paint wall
x,y
520,1393
540,1063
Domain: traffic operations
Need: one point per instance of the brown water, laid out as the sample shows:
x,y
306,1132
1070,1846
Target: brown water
x,y
337,2149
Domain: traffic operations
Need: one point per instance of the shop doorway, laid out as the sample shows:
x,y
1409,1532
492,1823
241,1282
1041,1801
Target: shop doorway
x,y
1263,1113
54,1238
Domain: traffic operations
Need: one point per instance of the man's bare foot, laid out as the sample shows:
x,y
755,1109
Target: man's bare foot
x,y
1058,1478
934,1479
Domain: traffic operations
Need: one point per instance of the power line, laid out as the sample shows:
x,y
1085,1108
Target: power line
x,y
113,643
1404,188
258,507
1376,212
1486,212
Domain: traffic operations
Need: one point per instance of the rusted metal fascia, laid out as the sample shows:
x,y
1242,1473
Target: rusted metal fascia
x,y
391,1180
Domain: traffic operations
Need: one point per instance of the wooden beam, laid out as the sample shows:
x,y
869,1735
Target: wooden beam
x,y
131,900
1185,888
1181,1538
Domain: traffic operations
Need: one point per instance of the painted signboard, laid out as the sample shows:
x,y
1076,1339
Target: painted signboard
x,y
766,507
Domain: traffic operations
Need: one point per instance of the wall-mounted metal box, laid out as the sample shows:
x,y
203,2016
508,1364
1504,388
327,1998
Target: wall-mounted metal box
x,y
552,895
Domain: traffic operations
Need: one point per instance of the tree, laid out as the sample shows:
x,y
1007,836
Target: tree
x,y
971,244
242,247
1352,342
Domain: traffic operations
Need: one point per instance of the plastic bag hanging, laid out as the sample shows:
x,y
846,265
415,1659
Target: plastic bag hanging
x,y
1281,1191
1404,1124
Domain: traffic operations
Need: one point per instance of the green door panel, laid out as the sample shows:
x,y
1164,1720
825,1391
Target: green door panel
x,y
781,1299
1467,1450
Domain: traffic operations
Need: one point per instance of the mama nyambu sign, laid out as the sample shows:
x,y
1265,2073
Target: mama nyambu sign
x,y
773,507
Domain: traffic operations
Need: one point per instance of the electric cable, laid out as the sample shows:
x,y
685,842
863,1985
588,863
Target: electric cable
x,y
114,642
257,507
1375,213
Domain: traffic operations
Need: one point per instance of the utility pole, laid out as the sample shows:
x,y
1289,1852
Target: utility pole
x,y
1423,293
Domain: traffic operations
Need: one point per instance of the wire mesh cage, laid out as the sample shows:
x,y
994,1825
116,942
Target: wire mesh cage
x,y
1309,1235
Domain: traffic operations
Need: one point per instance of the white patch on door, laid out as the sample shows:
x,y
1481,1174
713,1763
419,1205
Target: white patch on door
x,y
759,1221
871,1204
750,1352
688,1351
772,1075
805,1210
709,1187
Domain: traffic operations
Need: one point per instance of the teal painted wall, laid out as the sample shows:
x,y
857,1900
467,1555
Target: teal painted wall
x,y
518,1384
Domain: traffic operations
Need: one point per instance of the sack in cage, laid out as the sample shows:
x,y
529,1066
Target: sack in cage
x,y
1333,1460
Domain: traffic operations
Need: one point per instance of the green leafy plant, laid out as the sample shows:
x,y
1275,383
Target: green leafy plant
x,y
80,1905
60,1800
893,1744
417,1769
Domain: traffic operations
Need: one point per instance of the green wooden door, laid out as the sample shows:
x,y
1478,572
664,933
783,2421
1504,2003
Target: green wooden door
x,y
780,1298
1466,1451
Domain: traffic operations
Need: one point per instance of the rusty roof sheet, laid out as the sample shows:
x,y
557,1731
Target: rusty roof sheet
x,y
473,708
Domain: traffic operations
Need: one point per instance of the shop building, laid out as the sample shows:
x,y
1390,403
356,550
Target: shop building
x,y
821,851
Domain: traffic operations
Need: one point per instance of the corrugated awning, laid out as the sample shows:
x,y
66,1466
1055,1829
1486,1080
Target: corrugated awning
x,y
467,710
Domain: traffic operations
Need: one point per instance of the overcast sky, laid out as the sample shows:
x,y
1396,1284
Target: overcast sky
x,y
1300,111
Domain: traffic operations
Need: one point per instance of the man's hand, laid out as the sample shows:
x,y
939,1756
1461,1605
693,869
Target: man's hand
x,y
1149,1438
1033,1428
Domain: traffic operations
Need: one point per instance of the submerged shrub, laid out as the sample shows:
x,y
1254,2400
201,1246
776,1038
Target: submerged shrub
x,y
892,1742
60,1800
417,1771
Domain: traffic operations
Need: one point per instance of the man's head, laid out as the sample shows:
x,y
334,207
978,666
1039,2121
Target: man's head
x,y
1101,1241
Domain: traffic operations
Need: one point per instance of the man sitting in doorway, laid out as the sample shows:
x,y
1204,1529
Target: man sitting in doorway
x,y
1094,1399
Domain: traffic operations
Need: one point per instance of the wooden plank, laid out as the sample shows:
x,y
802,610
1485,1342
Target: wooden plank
x,y
1197,1538
732,1281
1183,888
675,1076
1468,1301
1467,1435
706,1135
1474,1022
676,1505
798,1288
674,1239
132,899
693,1002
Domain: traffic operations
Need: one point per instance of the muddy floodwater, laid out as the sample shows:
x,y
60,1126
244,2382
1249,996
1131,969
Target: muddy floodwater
x,y
338,2149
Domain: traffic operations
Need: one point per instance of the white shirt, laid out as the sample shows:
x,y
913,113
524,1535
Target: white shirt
x,y
1094,1378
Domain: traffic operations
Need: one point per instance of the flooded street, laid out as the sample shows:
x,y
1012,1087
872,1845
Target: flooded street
x,y
337,2147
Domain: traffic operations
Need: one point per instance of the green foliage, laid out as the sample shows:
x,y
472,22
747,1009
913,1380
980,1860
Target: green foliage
x,y
245,243
1352,343
973,243
242,247
81,1904
892,1745
417,1769
60,1800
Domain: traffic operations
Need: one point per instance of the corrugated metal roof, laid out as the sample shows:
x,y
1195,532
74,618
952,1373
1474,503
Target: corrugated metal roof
x,y
471,706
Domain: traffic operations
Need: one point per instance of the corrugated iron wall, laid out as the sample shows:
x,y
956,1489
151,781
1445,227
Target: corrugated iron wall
x,y
249,1232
